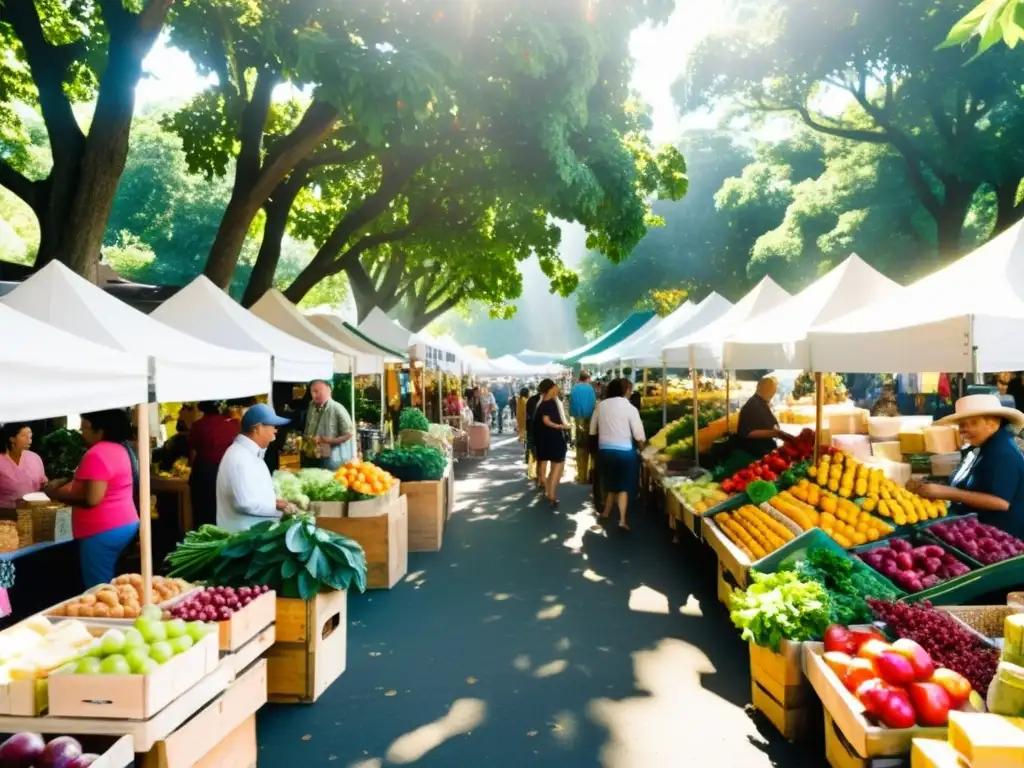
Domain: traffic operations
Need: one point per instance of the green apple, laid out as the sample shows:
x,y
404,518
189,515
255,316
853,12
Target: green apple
x,y
95,648
112,642
115,664
133,638
175,628
152,631
148,667
181,644
161,651
70,668
90,665
197,630
136,656
151,612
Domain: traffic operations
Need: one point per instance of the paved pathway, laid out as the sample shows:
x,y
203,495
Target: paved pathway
x,y
531,640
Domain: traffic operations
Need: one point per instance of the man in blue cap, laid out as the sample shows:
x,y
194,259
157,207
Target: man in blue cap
x,y
245,490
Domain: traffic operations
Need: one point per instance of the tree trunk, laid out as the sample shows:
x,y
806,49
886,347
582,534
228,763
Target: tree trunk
x,y
278,209
250,193
950,221
422,318
1008,212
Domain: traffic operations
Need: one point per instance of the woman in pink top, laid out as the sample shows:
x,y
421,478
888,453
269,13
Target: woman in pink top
x,y
21,470
104,517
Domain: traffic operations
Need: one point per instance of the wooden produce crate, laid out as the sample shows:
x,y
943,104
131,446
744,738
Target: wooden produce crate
x,y
840,754
449,491
132,697
113,751
779,689
378,505
247,623
309,651
224,727
426,508
863,739
384,538
726,585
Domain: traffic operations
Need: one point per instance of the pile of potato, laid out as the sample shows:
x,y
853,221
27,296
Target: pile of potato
x,y
122,599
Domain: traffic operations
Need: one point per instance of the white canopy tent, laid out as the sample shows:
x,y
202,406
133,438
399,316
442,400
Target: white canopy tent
x,y
510,366
968,317
439,353
533,357
616,353
379,327
334,326
282,314
708,343
48,372
183,368
778,338
647,352
203,310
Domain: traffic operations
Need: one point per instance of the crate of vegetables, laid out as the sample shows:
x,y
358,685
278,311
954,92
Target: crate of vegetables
x,y
32,749
743,537
241,614
977,543
914,563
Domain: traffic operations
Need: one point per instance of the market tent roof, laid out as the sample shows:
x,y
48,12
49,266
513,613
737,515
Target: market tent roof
x,y
708,342
334,326
509,365
382,329
532,357
203,310
184,368
49,372
281,313
623,330
778,337
976,303
440,353
613,354
647,351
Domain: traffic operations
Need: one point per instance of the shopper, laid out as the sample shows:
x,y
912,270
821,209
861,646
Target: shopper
x,y
103,495
551,428
21,470
327,440
531,441
209,439
620,433
582,400
501,394
245,489
524,396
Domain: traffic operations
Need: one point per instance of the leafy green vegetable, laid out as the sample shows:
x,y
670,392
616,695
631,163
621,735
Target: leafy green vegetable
x,y
413,418
847,584
760,491
291,556
287,486
320,485
413,463
61,451
780,606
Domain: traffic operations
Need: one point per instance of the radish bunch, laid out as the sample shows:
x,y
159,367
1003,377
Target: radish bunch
x,y
215,603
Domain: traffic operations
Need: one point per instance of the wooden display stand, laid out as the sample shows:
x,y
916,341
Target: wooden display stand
x,y
426,508
223,734
384,538
778,688
309,652
725,585
449,491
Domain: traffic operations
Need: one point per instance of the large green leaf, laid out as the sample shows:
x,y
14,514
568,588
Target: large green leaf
x,y
296,539
319,565
307,585
289,568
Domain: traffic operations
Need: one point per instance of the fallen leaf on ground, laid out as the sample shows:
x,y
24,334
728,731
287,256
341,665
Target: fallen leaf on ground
x,y
531,734
390,693
307,737
471,680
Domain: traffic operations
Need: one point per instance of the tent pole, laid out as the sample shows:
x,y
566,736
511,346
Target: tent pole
x,y
440,396
643,392
978,378
423,388
727,402
664,394
695,382
383,401
819,396
145,513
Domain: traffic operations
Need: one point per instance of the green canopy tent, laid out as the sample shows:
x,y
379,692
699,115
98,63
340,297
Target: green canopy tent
x,y
623,330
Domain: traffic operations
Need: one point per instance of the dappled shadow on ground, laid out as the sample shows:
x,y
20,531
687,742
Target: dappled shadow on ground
x,y
537,638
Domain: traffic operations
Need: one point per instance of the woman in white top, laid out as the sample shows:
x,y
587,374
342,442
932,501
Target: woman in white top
x,y
619,430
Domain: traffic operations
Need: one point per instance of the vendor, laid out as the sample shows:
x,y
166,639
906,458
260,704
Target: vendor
x,y
103,495
327,437
990,480
21,470
758,428
886,404
208,440
245,489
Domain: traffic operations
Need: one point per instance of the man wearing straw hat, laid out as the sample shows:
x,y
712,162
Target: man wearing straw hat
x,y
990,479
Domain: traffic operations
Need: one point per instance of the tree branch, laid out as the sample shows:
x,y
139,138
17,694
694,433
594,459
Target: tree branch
x,y
20,185
254,121
431,315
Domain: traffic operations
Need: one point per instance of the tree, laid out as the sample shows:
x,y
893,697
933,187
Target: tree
x,y
532,93
956,130
990,21
53,55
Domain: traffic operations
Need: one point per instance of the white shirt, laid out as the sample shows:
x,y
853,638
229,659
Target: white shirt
x,y
245,489
616,422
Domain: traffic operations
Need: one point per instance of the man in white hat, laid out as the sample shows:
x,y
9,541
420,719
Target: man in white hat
x,y
990,480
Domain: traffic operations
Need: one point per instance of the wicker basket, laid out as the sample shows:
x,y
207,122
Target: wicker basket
x,y
34,524
986,620
9,539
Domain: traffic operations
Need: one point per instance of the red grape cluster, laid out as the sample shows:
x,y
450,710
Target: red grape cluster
x,y
215,603
949,644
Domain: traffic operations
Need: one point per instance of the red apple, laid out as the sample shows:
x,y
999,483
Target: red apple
x,y
870,693
839,638
897,711
872,649
955,684
894,668
931,702
859,671
838,662
918,657
862,634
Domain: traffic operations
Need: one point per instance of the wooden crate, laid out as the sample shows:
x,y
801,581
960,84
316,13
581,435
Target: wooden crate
x,y
779,690
248,622
425,501
210,737
384,538
309,652
449,492
840,754
242,658
239,750
133,697
726,585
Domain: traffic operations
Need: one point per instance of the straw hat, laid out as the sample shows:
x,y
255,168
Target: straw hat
x,y
983,405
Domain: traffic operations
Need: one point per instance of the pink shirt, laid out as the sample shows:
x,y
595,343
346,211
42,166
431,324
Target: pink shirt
x,y
106,462
27,476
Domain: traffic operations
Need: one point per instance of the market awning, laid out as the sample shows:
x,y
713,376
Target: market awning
x,y
184,368
282,314
383,330
202,310
623,330
967,317
351,336
708,343
48,372
613,354
647,351
778,337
